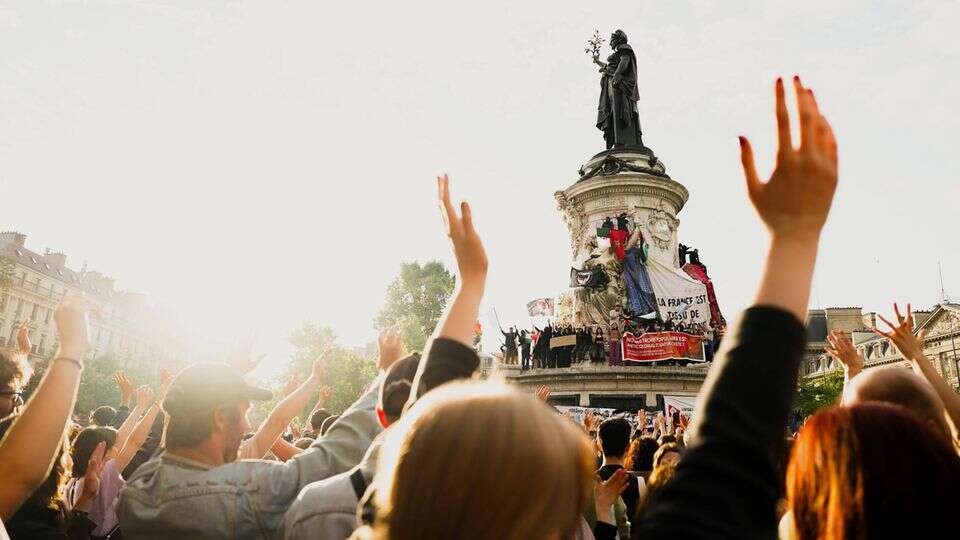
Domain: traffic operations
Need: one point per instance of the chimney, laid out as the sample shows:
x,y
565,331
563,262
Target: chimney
x,y
12,237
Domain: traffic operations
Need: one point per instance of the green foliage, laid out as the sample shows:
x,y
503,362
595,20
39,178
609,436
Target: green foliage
x,y
97,386
415,301
820,392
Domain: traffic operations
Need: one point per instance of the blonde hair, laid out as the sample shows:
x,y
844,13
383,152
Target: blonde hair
x,y
479,460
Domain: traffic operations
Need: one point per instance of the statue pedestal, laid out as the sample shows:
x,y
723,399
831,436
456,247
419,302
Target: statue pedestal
x,y
630,181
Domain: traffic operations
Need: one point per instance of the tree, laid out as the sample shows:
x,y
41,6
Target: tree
x,y
821,392
415,301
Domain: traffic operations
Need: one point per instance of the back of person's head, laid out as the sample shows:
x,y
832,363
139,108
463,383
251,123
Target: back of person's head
x,y
50,493
15,370
666,452
103,415
640,456
328,423
86,442
317,418
901,387
666,439
395,389
871,470
481,460
614,436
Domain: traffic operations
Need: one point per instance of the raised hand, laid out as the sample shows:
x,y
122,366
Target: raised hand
x,y
72,318
317,370
166,379
325,392
607,493
292,383
467,247
795,201
144,397
91,479
125,386
389,347
543,393
23,338
901,335
642,420
841,348
590,421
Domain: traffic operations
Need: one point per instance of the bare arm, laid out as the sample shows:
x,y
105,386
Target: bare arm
x,y
257,446
284,450
126,428
30,446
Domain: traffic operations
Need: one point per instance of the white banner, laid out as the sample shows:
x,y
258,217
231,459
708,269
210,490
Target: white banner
x,y
680,298
683,404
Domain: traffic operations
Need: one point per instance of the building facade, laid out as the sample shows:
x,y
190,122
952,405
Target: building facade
x,y
33,284
941,344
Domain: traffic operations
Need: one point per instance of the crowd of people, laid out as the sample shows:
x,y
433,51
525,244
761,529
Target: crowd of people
x,y
428,451
595,344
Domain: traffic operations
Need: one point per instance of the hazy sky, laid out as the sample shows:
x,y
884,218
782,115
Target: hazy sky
x,y
257,164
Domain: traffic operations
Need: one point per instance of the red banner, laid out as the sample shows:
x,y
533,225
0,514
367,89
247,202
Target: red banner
x,y
654,346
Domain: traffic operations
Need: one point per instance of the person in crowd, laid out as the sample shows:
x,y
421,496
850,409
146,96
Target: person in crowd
x,y
844,482
923,391
514,437
640,456
328,508
659,478
615,353
668,452
727,484
184,491
524,350
15,372
613,437
103,415
598,352
316,420
31,446
509,346
120,446
328,423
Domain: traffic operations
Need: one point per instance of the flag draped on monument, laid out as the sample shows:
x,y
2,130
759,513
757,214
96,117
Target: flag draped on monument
x,y
680,298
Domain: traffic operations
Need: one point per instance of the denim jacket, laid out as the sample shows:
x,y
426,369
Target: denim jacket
x,y
174,497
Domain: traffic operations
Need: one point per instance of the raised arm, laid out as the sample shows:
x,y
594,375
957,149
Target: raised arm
x,y
30,446
257,446
731,467
842,349
450,354
911,347
131,445
143,395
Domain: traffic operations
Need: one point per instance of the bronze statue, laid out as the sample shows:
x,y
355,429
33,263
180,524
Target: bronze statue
x,y
617,113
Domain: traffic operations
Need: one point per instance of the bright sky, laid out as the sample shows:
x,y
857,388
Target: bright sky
x,y
253,165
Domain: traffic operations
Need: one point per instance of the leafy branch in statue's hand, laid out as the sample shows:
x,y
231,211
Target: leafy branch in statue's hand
x,y
594,45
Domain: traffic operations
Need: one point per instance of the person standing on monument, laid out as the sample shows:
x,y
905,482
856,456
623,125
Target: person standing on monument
x,y
510,345
617,113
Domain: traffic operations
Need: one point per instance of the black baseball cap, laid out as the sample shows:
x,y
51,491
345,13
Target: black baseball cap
x,y
206,386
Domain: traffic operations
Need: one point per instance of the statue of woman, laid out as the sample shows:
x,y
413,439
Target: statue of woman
x,y
617,113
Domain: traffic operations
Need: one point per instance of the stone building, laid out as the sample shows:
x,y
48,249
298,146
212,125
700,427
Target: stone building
x,y
941,345
32,284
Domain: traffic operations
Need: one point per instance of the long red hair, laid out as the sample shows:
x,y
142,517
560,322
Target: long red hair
x,y
870,470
